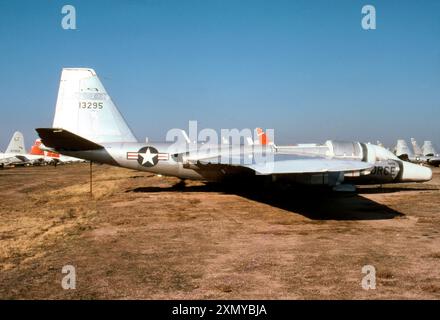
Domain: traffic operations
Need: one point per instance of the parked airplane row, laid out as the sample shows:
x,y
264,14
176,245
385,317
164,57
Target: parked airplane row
x,y
424,155
88,125
16,154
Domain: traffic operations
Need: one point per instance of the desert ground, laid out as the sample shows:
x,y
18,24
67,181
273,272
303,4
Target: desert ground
x,y
141,236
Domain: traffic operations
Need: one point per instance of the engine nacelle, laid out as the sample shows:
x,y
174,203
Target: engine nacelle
x,y
385,171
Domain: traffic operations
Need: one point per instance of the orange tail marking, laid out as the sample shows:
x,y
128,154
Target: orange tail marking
x,y
262,137
53,154
35,150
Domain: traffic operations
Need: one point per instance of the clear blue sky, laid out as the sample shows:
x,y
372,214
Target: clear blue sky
x,y
305,68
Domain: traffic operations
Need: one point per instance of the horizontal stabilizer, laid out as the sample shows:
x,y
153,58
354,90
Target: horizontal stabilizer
x,y
63,140
22,158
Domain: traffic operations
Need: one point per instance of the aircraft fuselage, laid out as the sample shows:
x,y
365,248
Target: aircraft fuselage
x,y
178,160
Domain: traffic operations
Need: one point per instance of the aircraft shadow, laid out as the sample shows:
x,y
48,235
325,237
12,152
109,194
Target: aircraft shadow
x,y
393,189
315,204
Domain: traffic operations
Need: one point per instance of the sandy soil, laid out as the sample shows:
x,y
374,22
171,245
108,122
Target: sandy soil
x,y
148,237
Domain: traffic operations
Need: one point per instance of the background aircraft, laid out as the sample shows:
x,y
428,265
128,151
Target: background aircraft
x,y
88,125
15,153
15,147
417,155
38,149
429,151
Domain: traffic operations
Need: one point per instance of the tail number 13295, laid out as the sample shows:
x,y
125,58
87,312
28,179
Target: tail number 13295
x,y
90,105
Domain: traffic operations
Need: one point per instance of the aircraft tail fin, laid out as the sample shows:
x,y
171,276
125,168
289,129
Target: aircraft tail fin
x,y
85,109
16,145
402,149
428,149
262,137
35,149
416,148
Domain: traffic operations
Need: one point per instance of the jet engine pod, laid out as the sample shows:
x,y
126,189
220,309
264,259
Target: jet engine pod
x,y
385,171
412,172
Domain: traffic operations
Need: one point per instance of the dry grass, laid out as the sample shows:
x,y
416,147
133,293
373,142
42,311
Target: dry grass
x,y
141,236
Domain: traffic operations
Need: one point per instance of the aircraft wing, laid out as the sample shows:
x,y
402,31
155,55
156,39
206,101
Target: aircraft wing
x,y
296,166
9,160
22,158
289,164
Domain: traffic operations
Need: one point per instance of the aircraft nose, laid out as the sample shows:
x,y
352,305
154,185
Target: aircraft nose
x,y
415,173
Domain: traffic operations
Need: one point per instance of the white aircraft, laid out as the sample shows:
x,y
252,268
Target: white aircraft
x,y
424,155
15,148
16,154
430,153
38,149
88,125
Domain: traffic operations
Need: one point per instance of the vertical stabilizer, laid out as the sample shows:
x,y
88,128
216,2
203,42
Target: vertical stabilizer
x,y
402,149
428,149
416,148
16,145
85,109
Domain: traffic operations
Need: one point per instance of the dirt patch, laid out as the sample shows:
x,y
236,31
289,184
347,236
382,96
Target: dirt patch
x,y
147,237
